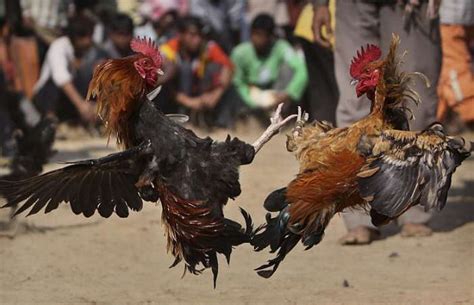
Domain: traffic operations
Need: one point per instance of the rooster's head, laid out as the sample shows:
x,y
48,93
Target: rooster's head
x,y
148,65
365,69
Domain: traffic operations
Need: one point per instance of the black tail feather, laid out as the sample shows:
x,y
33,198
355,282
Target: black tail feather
x,y
274,233
276,201
289,241
277,234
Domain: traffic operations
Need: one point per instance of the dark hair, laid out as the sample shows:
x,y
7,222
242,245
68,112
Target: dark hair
x,y
121,23
263,22
79,26
188,22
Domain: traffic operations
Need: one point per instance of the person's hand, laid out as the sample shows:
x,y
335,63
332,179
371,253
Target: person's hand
x,y
194,103
209,100
322,17
87,112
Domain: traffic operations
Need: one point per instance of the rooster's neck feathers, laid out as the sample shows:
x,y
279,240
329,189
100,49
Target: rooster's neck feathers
x,y
393,88
118,90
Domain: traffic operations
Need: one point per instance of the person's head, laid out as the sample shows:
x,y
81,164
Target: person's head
x,y
191,34
262,33
166,24
121,32
80,30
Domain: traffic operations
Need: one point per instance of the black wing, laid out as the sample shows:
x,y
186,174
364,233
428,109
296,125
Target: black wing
x,y
406,168
106,185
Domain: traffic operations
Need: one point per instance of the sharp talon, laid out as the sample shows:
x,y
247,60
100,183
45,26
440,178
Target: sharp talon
x,y
279,108
305,116
299,114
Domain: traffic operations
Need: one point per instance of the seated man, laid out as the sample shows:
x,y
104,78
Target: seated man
x,y
267,69
120,32
66,72
200,73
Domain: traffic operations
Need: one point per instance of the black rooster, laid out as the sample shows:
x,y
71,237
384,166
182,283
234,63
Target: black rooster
x,y
191,176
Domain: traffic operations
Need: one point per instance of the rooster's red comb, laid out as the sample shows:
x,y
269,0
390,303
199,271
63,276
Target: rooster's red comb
x,y
363,57
147,47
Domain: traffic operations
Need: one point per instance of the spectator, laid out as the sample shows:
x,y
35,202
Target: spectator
x,y
276,8
224,17
323,92
267,69
66,72
201,71
362,22
160,18
165,26
120,35
456,84
47,18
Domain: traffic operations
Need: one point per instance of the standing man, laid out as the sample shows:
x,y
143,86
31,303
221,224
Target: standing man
x,y
362,22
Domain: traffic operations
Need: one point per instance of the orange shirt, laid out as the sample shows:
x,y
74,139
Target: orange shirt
x,y
210,53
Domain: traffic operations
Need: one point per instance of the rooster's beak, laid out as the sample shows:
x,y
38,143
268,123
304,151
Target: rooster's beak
x,y
151,96
160,72
354,82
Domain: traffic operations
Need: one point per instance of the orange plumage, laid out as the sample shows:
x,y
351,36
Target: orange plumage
x,y
119,86
369,164
118,89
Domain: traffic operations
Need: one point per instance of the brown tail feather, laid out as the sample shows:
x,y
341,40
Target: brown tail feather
x,y
196,233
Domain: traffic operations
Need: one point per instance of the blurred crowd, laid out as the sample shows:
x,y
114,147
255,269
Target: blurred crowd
x,y
222,59
230,59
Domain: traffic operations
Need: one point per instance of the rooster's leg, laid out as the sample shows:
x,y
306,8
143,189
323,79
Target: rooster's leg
x,y
301,120
277,122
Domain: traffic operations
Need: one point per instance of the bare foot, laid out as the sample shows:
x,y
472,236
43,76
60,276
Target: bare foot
x,y
361,235
415,230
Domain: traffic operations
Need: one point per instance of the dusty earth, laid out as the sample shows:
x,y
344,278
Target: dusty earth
x,y
60,258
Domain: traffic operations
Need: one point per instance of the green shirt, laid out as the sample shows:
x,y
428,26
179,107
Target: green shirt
x,y
253,70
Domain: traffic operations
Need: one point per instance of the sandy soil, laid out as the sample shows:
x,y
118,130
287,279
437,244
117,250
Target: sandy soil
x,y
67,259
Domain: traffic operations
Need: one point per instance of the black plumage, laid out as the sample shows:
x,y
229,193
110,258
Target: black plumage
x,y
193,177
419,166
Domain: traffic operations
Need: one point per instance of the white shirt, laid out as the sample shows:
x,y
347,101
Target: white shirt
x,y
57,63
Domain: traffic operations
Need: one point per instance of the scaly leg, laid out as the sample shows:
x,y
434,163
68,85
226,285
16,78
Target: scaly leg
x,y
301,120
277,122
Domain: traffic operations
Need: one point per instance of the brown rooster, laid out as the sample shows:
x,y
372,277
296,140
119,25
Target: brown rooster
x,y
192,177
370,164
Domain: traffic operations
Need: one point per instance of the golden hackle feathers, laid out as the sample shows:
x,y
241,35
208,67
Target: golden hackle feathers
x,y
117,89
395,87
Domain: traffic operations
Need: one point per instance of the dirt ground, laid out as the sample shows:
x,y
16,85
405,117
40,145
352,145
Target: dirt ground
x,y
61,258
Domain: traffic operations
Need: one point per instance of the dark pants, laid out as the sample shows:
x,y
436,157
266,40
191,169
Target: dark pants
x,y
51,98
227,108
359,23
322,91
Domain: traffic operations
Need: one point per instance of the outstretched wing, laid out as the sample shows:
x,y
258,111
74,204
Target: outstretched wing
x,y
406,168
106,185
